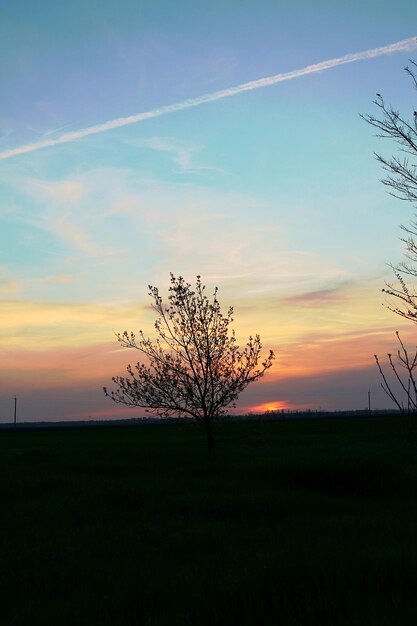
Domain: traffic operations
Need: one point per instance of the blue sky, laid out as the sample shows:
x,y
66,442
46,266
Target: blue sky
x,y
272,194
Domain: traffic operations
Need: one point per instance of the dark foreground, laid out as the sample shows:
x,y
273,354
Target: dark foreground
x,y
311,522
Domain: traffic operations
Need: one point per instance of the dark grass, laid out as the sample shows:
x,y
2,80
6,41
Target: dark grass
x,y
291,523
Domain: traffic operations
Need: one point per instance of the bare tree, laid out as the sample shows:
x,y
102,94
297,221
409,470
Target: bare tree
x,y
402,174
195,368
403,372
401,180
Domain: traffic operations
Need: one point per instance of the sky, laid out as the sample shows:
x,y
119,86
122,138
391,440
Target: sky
x,y
127,153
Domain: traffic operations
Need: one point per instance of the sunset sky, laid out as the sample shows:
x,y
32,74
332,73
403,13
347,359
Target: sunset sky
x,y
270,192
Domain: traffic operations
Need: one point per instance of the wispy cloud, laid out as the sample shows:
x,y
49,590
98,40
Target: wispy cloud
x,y
67,192
62,325
399,46
317,297
181,154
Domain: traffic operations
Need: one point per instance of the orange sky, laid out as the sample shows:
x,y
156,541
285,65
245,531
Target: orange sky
x,y
70,351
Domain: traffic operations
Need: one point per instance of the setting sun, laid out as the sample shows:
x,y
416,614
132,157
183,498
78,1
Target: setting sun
x,y
269,407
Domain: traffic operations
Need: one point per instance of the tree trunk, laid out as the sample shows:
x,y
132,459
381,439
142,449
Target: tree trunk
x,y
209,434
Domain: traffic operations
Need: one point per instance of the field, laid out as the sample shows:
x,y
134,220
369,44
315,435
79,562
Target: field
x,y
290,523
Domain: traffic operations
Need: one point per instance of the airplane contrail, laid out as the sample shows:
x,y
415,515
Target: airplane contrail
x,y
399,46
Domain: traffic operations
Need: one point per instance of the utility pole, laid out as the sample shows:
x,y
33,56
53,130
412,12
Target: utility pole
x,y
15,411
369,401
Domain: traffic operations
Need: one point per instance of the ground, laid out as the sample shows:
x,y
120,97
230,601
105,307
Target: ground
x,y
290,523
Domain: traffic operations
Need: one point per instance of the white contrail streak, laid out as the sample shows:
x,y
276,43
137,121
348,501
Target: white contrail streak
x,y
399,46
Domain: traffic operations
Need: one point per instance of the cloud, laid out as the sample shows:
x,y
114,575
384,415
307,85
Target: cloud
x,y
65,227
64,192
330,390
57,278
65,382
182,154
319,296
231,238
126,232
399,46
60,213
70,210
35,325
333,372
324,356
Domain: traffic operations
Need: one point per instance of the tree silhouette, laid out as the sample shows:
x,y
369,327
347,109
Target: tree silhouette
x,y
401,180
195,368
409,364
402,174
402,368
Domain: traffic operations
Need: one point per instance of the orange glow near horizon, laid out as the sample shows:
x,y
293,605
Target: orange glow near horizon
x,y
270,407
59,362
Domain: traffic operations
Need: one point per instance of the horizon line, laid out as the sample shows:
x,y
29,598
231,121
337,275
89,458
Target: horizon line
x,y
400,46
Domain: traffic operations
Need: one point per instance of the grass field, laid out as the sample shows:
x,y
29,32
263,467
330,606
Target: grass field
x,y
291,523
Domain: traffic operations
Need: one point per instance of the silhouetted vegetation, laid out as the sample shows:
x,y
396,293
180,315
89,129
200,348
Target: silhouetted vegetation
x,y
402,175
301,523
402,181
403,370
195,369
